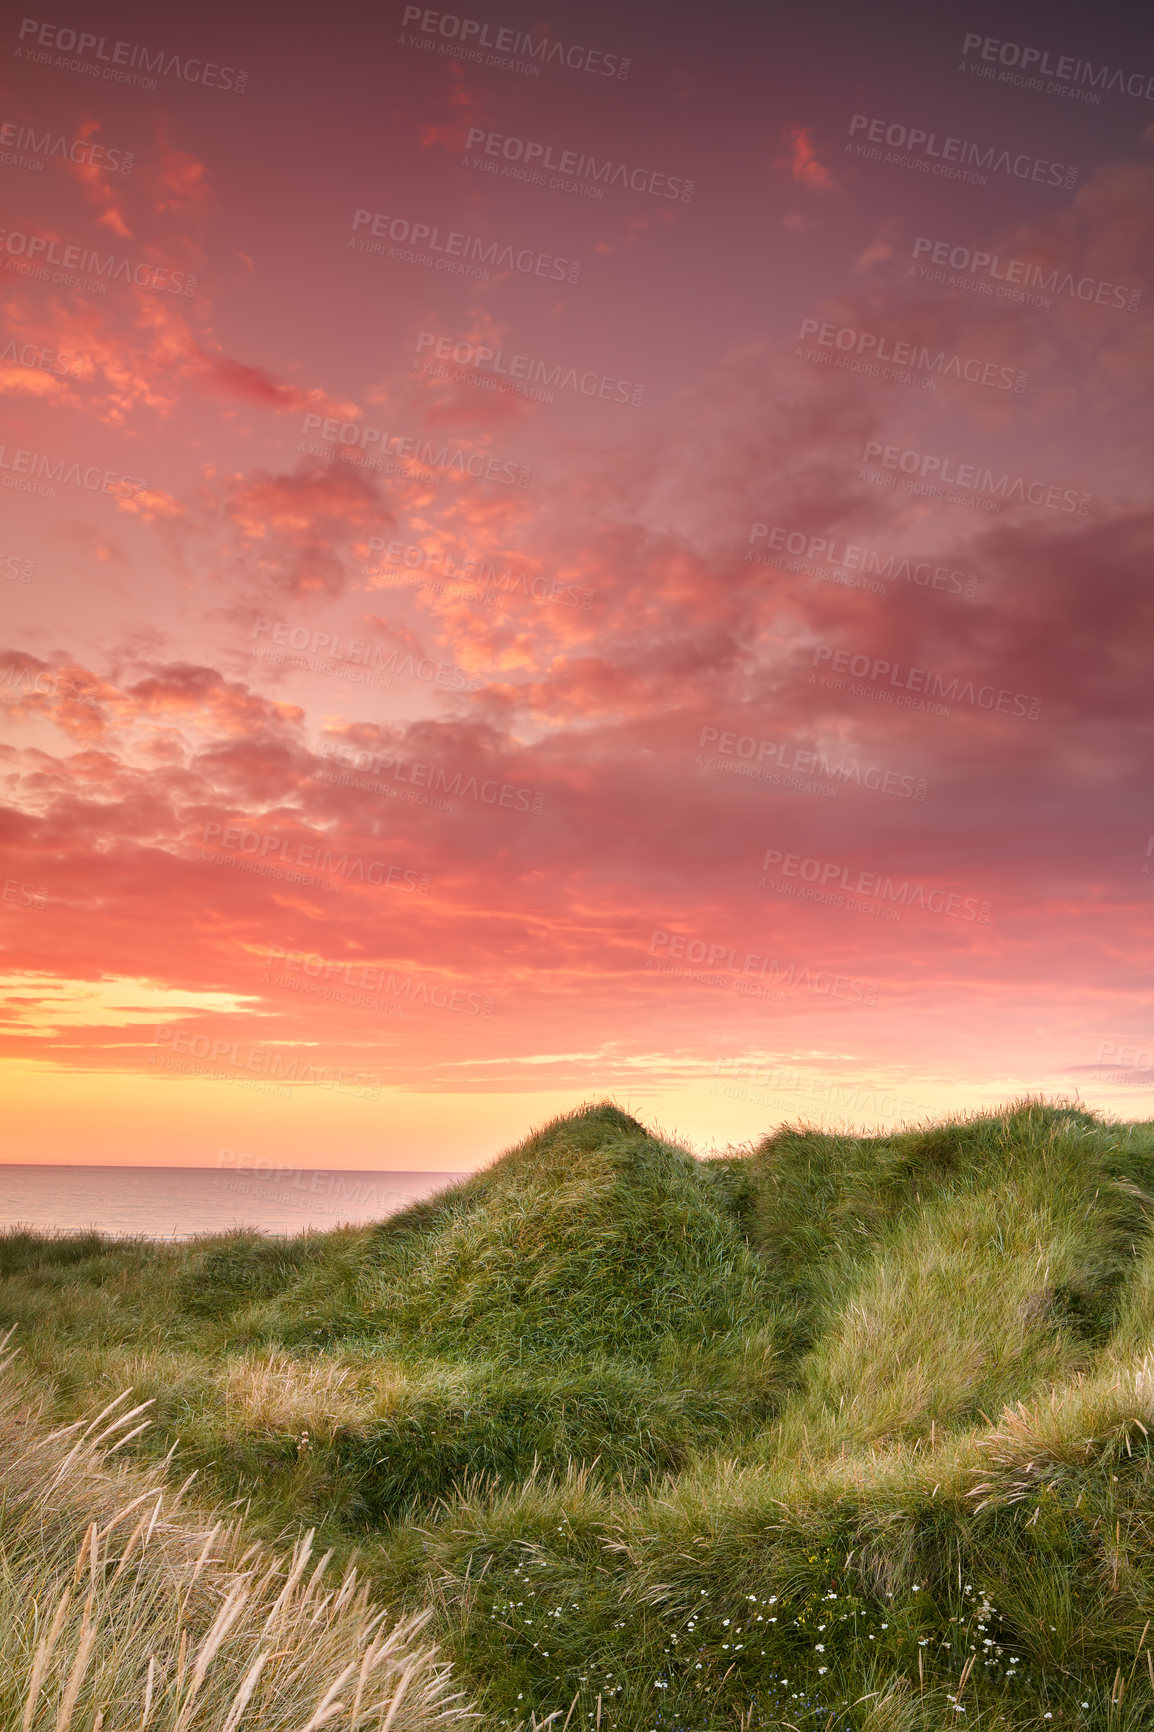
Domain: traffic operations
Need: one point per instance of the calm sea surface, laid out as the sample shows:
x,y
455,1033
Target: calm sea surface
x,y
179,1202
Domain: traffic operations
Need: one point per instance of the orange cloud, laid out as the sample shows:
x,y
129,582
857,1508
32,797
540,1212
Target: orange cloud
x,y
801,163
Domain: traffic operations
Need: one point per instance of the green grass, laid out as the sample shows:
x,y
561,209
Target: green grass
x,y
789,1437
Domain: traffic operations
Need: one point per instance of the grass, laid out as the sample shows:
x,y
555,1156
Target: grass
x,y
121,1607
851,1433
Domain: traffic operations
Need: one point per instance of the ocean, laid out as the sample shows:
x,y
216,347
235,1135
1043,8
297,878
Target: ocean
x,y
182,1202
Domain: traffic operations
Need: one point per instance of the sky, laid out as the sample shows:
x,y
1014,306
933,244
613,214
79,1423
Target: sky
x,y
564,552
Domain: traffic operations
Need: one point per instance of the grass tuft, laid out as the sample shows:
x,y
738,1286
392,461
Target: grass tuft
x,y
121,1607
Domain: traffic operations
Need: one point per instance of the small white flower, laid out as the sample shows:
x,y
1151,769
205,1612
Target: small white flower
x,y
820,1649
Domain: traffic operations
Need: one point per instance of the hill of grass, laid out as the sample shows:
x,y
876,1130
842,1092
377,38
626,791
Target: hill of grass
x,y
843,1432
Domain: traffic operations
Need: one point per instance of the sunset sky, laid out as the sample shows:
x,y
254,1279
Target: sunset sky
x,y
570,550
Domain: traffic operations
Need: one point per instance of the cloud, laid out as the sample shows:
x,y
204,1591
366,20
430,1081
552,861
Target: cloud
x,y
224,376
466,107
800,162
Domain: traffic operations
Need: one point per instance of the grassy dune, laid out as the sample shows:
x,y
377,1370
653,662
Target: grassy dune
x,y
834,1432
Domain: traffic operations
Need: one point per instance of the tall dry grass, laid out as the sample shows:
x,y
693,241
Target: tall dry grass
x,y
124,1610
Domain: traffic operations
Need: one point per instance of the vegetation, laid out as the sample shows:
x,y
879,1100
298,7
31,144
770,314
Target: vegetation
x,y
851,1433
119,1607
